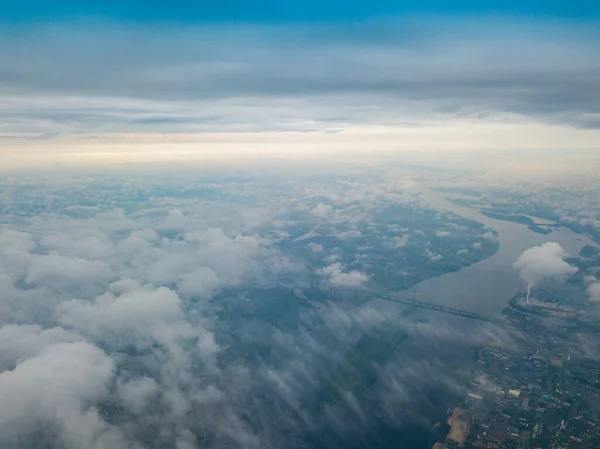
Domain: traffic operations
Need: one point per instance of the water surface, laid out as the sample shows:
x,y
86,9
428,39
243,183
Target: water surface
x,y
486,286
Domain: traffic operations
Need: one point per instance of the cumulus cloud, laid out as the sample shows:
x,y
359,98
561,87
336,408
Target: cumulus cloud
x,y
21,342
14,242
400,242
434,257
489,236
83,244
336,276
545,261
589,279
593,291
143,315
138,393
73,274
200,282
315,247
322,210
52,397
15,247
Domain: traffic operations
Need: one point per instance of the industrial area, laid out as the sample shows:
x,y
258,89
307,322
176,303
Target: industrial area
x,y
540,390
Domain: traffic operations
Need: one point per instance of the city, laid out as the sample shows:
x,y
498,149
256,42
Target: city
x,y
540,391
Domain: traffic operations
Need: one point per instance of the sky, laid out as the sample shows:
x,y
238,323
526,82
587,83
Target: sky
x,y
108,80
210,11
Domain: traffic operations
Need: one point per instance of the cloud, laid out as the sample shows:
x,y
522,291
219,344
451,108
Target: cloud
x,y
198,79
434,257
400,242
13,243
589,279
51,397
200,283
21,342
336,277
489,236
348,235
315,247
80,244
144,315
74,274
138,393
593,291
545,261
322,210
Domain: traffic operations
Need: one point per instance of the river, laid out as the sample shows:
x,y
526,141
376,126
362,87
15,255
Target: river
x,y
486,286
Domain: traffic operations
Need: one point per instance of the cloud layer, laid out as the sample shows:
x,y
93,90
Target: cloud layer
x,y
297,77
156,326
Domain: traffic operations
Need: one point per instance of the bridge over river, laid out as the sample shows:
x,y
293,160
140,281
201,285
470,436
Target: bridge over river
x,y
438,308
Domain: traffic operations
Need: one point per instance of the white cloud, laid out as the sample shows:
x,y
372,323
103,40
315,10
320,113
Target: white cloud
x,y
322,210
315,247
434,257
593,292
138,317
400,242
15,255
76,275
15,242
589,279
332,258
51,395
200,283
80,244
335,276
124,285
489,236
138,393
21,342
347,235
545,261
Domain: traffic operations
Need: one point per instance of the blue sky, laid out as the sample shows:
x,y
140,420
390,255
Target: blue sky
x,y
285,11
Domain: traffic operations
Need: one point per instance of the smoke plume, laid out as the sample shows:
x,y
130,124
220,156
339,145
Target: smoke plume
x,y
541,262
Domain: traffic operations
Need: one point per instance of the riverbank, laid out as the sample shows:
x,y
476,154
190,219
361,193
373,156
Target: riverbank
x,y
486,287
